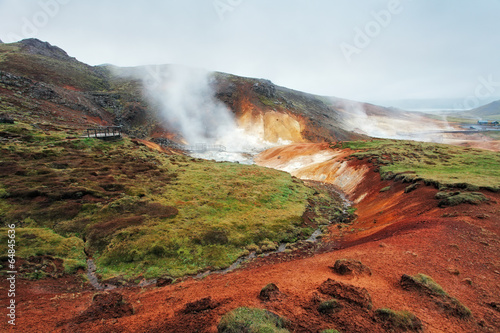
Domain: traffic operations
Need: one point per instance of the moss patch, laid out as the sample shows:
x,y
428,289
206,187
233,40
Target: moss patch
x,y
252,321
145,212
438,164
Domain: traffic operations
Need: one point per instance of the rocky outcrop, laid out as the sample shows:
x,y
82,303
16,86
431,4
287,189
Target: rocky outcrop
x,y
312,161
347,292
265,88
37,47
350,267
105,305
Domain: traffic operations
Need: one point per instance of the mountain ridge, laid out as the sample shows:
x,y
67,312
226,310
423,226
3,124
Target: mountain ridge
x,y
103,97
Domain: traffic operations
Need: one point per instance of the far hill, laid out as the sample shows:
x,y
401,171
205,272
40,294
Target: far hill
x,y
489,111
40,82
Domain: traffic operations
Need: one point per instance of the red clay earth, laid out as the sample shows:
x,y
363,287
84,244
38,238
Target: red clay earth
x,y
395,233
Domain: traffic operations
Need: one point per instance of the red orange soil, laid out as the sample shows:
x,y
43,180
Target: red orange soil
x,y
396,233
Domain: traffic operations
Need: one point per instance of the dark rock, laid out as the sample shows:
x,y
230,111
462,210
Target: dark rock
x,y
163,281
350,267
270,292
105,305
494,305
266,88
15,81
36,46
411,187
203,304
42,91
5,119
349,293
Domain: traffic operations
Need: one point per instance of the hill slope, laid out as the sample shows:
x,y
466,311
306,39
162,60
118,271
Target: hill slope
x,y
40,82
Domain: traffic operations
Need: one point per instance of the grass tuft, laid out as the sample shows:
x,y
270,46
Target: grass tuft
x,y
251,320
399,319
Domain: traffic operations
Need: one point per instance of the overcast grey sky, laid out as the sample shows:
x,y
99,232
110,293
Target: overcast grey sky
x,y
372,50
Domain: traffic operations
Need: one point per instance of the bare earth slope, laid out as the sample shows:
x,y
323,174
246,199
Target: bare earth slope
x,y
396,233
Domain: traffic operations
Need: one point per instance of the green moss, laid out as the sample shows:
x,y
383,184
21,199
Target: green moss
x,y
457,198
385,189
434,163
43,241
430,283
252,321
399,319
139,209
330,306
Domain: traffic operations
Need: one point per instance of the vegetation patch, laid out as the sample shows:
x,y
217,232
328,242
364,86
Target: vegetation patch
x,y
251,320
456,198
329,307
426,285
44,244
403,320
144,212
438,164
385,189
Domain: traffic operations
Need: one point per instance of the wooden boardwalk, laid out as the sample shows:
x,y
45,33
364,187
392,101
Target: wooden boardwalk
x,y
203,147
105,132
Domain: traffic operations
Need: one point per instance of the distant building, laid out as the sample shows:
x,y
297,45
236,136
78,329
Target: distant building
x,y
488,122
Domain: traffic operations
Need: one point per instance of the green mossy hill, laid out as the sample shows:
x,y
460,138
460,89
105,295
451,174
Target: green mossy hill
x,y
438,164
140,211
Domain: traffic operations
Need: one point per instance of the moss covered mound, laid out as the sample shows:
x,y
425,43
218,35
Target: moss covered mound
x,y
140,211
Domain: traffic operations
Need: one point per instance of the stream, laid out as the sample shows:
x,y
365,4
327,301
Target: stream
x,y
313,238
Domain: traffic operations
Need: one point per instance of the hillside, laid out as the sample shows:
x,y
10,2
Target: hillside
x,y
489,111
330,231
36,77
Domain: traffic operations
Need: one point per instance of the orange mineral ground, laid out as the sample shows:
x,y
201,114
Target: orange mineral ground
x,y
394,234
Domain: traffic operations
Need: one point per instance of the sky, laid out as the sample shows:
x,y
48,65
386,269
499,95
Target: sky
x,y
381,51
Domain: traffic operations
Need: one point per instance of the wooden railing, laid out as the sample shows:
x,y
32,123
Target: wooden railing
x,y
105,132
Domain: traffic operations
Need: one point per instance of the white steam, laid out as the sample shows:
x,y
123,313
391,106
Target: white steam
x,y
379,122
187,102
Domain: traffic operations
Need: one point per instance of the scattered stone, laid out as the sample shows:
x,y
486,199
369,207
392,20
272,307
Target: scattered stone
x,y
494,305
468,281
412,187
200,305
270,292
105,305
350,267
349,293
4,119
163,281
